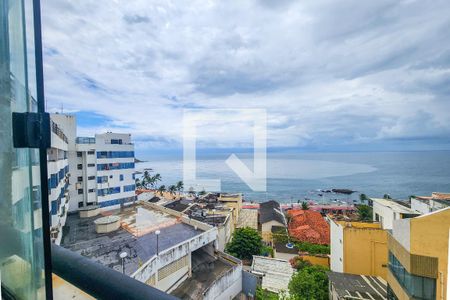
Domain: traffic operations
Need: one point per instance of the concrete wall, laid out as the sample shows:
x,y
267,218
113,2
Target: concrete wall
x,y
337,247
401,232
365,251
430,237
266,230
229,285
387,215
317,260
420,206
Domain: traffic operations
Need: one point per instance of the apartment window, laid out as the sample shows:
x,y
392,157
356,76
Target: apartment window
x,y
133,176
121,177
108,191
80,204
417,286
79,154
115,154
80,167
116,141
80,191
115,166
91,165
80,178
102,179
129,188
91,152
90,190
91,177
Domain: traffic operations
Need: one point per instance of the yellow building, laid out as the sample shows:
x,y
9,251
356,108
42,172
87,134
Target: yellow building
x,y
418,257
233,201
358,248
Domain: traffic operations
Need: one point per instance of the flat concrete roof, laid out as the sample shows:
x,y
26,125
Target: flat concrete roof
x,y
136,236
358,286
395,206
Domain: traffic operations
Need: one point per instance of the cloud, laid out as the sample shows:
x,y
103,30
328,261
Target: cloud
x,y
328,73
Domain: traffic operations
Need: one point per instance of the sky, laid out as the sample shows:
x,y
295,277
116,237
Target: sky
x,y
330,75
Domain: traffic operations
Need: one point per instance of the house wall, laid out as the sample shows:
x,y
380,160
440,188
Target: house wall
x,y
386,213
228,285
337,247
365,251
266,230
317,260
430,237
420,206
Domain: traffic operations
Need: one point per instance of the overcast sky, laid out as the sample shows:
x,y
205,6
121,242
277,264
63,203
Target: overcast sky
x,y
330,74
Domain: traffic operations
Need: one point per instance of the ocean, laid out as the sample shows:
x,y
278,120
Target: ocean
x,y
293,178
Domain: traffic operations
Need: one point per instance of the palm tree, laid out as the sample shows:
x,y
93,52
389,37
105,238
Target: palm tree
x,y
156,178
162,189
138,183
147,180
172,189
363,197
180,186
305,205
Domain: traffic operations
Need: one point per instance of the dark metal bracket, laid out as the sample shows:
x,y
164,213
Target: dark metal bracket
x,y
31,130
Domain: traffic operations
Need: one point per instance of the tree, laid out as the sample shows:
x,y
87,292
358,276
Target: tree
x,y
179,186
246,242
262,294
305,205
172,189
162,189
138,183
299,263
202,192
365,213
363,197
387,196
310,283
156,178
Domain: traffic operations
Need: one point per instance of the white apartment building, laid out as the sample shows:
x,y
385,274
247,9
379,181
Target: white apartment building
x,y
103,171
386,211
63,130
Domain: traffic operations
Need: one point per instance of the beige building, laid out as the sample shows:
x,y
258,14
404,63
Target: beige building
x,y
270,215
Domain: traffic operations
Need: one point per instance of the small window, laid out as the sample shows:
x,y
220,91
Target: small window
x,y
91,152
91,177
80,191
91,190
110,176
80,178
80,204
80,167
121,177
79,154
91,165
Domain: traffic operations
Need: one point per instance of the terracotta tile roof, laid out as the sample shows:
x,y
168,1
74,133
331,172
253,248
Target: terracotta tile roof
x,y
308,226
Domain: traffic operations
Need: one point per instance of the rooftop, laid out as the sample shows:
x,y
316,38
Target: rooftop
x,y
205,270
276,272
136,236
270,211
358,286
248,218
395,206
309,226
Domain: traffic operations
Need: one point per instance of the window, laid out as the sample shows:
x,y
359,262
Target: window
x,y
80,191
115,166
129,188
108,191
417,286
80,178
91,165
116,141
102,179
133,176
91,152
115,154
80,204
121,177
80,167
91,177
90,190
79,154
